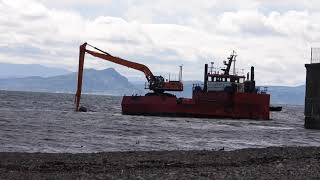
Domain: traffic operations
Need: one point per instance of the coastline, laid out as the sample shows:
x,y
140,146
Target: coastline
x,y
254,163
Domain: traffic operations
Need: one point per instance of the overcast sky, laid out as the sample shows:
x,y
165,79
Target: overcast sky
x,y
274,36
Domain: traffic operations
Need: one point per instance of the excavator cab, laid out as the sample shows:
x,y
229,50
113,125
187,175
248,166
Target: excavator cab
x,y
159,85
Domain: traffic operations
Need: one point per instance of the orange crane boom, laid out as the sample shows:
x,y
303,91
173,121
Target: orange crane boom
x,y
156,83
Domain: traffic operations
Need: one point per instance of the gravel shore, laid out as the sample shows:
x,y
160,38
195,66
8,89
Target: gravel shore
x,y
267,163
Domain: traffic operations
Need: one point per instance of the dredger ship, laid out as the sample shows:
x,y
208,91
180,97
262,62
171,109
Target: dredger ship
x,y
222,95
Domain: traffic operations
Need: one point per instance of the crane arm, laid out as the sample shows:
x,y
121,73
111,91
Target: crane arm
x,y
156,83
105,56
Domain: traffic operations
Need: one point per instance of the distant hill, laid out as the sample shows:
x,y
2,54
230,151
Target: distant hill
x,y
25,70
106,81
287,95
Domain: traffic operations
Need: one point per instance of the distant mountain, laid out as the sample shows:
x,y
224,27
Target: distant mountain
x,y
106,81
287,95
26,70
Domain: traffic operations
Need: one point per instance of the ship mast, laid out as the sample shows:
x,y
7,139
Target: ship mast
x,y
231,59
234,62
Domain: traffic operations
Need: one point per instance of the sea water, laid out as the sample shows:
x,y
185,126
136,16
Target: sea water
x,y
46,122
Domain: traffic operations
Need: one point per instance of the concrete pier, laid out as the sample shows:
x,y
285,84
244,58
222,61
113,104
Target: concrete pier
x,y
312,98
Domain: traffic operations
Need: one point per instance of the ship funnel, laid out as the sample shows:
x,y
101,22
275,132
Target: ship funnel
x,y
252,73
205,78
253,83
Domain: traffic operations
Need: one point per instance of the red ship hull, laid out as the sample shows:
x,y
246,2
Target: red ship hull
x,y
202,104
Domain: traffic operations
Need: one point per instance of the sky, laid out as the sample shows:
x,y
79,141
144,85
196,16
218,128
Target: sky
x,y
274,36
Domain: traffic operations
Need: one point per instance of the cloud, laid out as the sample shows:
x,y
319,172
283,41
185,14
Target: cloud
x,y
75,2
164,34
